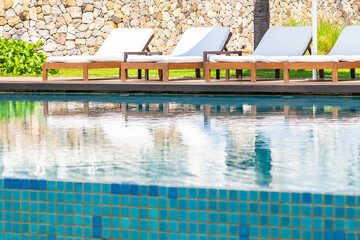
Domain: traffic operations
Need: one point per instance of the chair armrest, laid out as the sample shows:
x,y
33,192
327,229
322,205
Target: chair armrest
x,y
126,54
227,53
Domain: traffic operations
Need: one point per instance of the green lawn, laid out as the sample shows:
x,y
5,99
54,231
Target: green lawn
x,y
343,73
108,73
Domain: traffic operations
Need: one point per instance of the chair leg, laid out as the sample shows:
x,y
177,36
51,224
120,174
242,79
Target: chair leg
x,y
335,77
286,74
227,74
123,74
197,73
239,73
85,72
217,73
352,73
161,74
146,74
207,74
166,74
253,72
277,73
139,74
321,73
45,72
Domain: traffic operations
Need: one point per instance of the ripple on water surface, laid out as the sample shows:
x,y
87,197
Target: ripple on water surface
x,y
297,143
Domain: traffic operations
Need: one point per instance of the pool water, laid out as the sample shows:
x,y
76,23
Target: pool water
x,y
237,142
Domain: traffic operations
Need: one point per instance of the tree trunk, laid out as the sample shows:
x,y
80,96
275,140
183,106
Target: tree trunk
x,y
261,20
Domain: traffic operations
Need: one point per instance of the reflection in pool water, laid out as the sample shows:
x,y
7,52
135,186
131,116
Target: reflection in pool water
x,y
298,143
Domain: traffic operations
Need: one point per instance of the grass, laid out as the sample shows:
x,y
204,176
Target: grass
x,y
108,73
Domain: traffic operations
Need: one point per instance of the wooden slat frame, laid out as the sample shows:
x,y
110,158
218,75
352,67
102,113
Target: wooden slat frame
x,y
86,66
163,67
311,65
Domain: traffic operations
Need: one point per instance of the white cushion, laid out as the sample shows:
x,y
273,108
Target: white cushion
x,y
270,59
119,41
348,42
67,59
348,58
241,59
142,58
284,41
181,59
114,58
123,40
164,59
248,59
313,58
199,39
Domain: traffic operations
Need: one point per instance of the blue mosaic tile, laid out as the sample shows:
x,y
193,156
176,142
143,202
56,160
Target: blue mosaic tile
x,y
295,197
172,191
285,197
182,192
153,190
134,189
306,198
115,188
106,211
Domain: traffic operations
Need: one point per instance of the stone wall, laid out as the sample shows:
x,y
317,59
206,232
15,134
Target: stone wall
x,y
80,26
284,12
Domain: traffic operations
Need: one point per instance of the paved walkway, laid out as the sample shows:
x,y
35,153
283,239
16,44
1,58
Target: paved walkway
x,y
272,86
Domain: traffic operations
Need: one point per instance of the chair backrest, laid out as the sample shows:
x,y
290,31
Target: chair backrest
x,y
199,39
122,40
285,41
348,42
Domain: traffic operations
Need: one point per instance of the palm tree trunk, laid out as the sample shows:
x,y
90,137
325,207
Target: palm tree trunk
x,y
261,20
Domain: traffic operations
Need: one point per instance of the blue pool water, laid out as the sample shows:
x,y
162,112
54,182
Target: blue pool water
x,y
249,142
179,167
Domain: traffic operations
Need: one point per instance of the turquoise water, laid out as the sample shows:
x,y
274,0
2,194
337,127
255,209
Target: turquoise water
x,y
248,142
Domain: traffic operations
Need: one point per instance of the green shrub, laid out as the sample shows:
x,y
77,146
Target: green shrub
x,y
328,33
21,58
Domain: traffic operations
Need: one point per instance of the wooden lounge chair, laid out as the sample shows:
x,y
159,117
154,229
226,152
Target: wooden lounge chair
x,y
188,54
109,55
277,44
344,54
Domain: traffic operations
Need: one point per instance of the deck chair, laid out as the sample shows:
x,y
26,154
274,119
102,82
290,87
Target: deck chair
x,y
344,54
109,55
188,53
273,50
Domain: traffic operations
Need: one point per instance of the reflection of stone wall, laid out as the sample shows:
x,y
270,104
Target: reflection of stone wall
x,y
80,26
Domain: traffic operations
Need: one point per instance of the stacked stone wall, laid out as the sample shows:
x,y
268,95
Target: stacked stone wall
x,y
284,12
79,27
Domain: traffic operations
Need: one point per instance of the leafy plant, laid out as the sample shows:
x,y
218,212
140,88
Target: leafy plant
x,y
21,58
328,33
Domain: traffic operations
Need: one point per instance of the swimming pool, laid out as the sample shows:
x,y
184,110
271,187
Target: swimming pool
x,y
179,167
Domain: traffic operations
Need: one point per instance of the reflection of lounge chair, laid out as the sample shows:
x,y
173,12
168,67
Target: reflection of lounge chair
x,y
344,54
109,55
273,50
188,54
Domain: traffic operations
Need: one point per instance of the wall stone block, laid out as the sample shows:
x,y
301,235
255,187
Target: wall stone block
x,y
80,26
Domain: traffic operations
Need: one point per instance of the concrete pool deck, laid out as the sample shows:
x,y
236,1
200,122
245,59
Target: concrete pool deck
x,y
187,86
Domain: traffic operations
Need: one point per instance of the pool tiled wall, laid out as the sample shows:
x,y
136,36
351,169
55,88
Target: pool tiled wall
x,y
49,210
